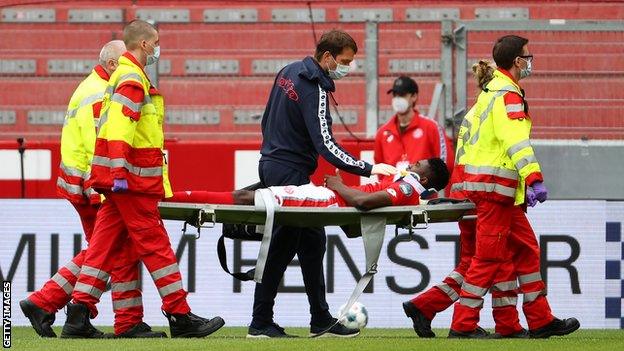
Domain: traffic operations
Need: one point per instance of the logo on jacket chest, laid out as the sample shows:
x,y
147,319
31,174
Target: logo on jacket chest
x,y
389,136
418,133
288,87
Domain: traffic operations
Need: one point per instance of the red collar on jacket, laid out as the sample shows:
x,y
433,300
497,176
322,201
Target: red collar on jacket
x,y
129,56
101,72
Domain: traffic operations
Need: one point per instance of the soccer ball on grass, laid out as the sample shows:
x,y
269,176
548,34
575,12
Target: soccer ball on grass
x,y
355,317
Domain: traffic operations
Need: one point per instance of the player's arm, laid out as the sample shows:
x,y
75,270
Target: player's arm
x,y
357,198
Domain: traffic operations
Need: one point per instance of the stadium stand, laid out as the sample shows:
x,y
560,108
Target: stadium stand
x,y
219,60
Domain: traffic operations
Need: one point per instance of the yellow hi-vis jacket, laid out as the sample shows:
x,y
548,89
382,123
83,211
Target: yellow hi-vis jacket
x,y
78,138
130,138
494,154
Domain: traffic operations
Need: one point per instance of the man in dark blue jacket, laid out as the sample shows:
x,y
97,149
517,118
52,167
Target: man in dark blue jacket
x,y
296,128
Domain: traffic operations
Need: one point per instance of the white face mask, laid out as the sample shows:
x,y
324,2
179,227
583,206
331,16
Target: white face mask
x,y
400,104
153,57
340,72
525,72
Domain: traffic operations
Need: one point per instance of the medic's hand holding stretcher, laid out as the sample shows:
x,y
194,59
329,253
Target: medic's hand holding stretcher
x,y
360,210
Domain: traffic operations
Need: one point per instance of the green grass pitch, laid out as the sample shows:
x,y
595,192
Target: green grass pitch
x,y
233,338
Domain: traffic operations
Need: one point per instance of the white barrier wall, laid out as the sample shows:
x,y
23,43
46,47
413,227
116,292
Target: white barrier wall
x,y
581,260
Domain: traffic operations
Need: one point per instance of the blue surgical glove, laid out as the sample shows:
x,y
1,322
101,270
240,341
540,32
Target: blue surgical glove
x,y
120,185
541,193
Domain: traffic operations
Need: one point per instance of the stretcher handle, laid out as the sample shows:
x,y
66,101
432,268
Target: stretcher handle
x,y
202,213
419,217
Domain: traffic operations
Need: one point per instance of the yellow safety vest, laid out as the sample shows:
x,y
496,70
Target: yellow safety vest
x,y
127,148
78,139
494,153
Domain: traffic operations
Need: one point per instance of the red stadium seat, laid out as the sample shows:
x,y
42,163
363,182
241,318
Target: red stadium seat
x,y
229,67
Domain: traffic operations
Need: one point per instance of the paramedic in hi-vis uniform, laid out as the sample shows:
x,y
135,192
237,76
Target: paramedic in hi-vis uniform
x,y
77,143
129,168
497,170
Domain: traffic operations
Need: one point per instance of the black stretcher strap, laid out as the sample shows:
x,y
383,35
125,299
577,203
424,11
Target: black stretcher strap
x,y
249,275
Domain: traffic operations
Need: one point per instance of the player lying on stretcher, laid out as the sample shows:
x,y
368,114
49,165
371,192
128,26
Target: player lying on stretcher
x,y
419,180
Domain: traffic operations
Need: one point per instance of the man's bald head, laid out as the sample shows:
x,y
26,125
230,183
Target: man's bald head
x,y
109,55
136,32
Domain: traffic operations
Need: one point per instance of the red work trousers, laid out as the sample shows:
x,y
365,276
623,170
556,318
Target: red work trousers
x,y
130,218
506,248
440,297
56,292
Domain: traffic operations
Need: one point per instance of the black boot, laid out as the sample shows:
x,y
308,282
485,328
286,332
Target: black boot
x,y
557,327
40,320
422,325
478,333
522,334
141,330
78,325
192,326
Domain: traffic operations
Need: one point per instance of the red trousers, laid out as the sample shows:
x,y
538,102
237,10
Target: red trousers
x,y
56,292
505,249
440,297
126,221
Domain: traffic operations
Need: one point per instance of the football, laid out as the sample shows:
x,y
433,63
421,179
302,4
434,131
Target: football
x,y
355,317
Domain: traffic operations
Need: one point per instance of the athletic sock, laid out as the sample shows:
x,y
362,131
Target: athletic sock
x,y
208,197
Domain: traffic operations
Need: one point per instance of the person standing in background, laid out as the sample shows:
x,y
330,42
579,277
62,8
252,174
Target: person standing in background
x,y
410,136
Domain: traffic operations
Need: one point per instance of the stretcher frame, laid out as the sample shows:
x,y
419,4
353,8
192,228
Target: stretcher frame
x,y
371,225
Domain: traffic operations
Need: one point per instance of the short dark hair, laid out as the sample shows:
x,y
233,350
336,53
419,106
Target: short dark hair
x,y
135,31
334,41
438,174
506,50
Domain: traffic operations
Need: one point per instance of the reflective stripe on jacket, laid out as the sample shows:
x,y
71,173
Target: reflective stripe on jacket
x,y
494,157
78,138
131,147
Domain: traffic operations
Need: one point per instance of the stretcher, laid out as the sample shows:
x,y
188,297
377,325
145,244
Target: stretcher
x,y
370,225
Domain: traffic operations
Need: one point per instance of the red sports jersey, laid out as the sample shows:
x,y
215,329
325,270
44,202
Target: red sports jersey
x,y
401,193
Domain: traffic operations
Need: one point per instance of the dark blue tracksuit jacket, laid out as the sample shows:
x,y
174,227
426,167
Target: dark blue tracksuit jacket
x,y
296,125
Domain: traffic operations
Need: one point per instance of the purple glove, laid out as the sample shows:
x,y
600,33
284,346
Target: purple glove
x,y
541,193
531,200
120,185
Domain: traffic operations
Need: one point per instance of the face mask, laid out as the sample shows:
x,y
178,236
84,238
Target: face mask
x,y
153,57
525,72
400,104
340,72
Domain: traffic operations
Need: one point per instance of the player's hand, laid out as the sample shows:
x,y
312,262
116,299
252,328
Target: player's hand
x,y
333,181
384,169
